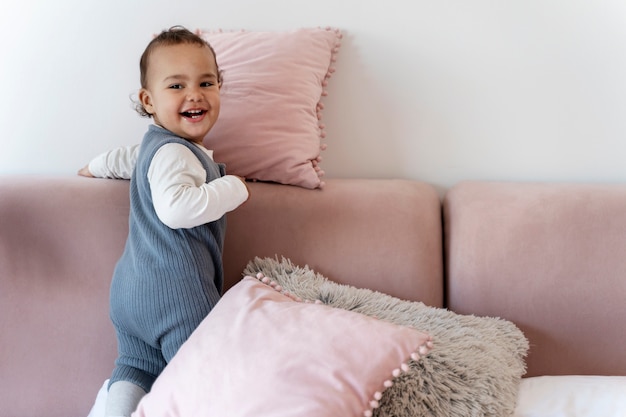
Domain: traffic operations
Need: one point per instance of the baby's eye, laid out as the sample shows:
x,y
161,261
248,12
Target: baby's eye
x,y
176,86
206,84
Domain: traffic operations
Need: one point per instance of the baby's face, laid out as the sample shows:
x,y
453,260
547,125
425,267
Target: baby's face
x,y
182,93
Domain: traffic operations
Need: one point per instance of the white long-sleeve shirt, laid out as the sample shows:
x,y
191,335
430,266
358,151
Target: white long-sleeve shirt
x,y
182,198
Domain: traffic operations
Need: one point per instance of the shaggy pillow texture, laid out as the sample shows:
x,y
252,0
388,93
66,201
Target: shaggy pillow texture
x,y
265,352
474,370
270,127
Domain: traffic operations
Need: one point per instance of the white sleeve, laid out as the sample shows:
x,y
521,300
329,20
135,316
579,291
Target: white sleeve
x,y
117,163
182,198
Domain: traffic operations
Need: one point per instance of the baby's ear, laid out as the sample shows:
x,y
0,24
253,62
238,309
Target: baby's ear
x,y
146,100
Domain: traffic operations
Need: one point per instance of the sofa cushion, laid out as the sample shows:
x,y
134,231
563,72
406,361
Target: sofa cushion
x,y
572,396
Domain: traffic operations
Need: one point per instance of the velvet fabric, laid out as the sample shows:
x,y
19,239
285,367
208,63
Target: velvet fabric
x,y
270,126
60,238
549,257
384,235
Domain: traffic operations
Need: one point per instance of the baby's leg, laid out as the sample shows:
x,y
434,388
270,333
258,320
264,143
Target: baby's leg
x,y
122,399
136,368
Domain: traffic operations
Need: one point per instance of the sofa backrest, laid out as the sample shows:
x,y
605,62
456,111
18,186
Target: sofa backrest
x,y
384,235
60,238
549,257
59,241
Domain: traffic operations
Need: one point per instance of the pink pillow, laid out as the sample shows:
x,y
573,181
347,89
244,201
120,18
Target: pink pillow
x,y
261,352
269,127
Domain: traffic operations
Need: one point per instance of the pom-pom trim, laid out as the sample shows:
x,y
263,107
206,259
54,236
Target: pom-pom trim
x,y
329,73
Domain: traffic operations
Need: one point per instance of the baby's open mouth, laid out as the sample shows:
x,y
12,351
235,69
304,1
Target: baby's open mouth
x,y
193,113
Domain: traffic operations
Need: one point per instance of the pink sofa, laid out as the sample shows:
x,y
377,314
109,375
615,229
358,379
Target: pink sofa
x,y
549,257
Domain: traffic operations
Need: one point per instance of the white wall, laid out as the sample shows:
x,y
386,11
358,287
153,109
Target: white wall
x,y
434,90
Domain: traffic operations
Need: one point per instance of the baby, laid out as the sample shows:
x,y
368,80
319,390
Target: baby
x,y
170,274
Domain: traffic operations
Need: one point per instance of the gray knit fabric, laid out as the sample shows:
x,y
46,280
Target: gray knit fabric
x,y
167,280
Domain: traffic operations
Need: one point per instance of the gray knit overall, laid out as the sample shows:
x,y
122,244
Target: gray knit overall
x,y
167,280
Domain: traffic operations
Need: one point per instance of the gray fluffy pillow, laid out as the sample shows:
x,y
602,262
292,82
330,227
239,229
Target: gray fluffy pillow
x,y
474,368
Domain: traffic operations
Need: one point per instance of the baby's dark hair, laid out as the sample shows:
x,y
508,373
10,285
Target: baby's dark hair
x,y
175,35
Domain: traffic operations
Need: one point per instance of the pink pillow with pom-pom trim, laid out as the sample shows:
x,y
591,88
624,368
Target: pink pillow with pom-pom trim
x,y
262,352
270,127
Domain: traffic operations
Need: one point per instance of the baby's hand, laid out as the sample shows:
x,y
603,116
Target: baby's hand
x,y
84,172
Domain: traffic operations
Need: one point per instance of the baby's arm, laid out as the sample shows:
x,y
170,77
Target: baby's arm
x,y
117,163
181,196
